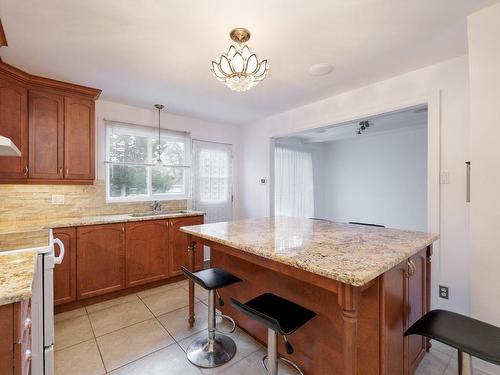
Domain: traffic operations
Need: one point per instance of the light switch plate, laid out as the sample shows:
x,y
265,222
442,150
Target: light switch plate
x,y
57,199
445,177
263,181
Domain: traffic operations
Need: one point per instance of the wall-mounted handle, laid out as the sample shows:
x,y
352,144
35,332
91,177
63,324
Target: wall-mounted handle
x,y
467,186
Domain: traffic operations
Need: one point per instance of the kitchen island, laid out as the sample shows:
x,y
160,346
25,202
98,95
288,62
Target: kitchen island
x,y
366,285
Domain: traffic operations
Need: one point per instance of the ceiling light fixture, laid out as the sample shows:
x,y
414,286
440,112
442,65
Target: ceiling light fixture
x,y
239,68
157,159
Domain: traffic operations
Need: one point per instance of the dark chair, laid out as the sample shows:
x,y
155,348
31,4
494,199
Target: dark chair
x,y
367,224
214,350
280,316
469,336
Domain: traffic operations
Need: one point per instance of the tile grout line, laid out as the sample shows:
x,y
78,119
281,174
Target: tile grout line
x,y
96,343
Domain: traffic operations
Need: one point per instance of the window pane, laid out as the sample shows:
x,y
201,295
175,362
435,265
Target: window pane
x,y
128,148
172,151
168,180
213,175
127,180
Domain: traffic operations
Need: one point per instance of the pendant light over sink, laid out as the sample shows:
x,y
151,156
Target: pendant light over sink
x,y
157,161
240,69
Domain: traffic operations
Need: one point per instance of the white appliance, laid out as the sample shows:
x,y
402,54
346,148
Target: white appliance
x,y
8,148
42,308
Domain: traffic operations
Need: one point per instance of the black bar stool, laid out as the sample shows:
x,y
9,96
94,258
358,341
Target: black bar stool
x,y
367,224
214,350
279,316
469,336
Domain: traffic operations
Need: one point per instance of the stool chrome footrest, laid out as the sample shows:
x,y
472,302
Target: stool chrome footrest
x,y
223,316
208,353
287,361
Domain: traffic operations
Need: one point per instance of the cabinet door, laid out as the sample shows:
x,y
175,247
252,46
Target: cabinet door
x,y
178,245
79,138
146,251
14,125
417,307
46,132
100,259
65,273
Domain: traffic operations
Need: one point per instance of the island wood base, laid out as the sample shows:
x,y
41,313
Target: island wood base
x,y
357,330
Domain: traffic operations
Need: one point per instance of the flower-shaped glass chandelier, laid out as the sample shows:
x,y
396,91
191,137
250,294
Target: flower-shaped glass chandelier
x,y
239,68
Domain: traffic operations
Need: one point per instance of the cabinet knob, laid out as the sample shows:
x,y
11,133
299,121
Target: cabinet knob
x,y
60,170
26,169
27,323
28,355
411,268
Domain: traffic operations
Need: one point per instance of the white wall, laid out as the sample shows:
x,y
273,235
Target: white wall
x,y
380,179
199,129
484,59
451,79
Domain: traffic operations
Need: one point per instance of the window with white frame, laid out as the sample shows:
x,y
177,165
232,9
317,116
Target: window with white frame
x,y
131,174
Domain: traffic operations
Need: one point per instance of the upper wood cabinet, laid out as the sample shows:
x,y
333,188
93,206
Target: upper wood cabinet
x,y
65,273
79,138
146,251
14,125
179,255
46,135
53,126
100,259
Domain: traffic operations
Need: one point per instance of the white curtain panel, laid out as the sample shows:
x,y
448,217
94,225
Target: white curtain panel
x,y
294,186
212,185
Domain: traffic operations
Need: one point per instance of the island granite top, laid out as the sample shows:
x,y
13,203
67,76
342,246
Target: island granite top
x,y
348,253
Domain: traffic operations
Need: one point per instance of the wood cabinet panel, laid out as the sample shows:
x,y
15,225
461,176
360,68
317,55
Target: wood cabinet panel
x,y
6,339
46,132
178,245
100,259
65,273
14,125
79,139
417,307
146,251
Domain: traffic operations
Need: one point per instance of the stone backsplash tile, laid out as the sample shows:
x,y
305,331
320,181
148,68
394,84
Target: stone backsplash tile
x,y
24,205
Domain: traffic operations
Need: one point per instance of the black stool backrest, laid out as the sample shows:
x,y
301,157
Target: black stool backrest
x,y
268,321
367,224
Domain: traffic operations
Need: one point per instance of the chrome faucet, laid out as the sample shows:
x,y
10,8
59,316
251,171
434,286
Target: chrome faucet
x,y
156,206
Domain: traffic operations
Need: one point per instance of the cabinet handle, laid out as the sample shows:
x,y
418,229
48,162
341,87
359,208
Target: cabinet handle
x,y
166,224
67,171
27,355
26,169
60,170
27,324
123,228
411,268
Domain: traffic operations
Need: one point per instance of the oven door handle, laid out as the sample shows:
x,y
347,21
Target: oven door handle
x,y
59,259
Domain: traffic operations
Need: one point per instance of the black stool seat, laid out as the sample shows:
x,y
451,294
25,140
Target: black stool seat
x,y
211,278
276,313
479,339
367,224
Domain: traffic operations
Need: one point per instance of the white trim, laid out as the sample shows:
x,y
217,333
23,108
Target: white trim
x,y
433,102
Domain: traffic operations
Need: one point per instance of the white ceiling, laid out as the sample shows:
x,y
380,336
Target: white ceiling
x,y
152,51
410,118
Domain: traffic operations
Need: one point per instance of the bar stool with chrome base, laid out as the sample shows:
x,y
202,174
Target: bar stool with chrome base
x,y
280,316
214,350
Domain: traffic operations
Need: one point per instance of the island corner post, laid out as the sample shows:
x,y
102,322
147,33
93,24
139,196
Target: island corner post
x,y
358,330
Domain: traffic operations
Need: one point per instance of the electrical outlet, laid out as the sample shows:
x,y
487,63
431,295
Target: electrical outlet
x,y
444,292
57,199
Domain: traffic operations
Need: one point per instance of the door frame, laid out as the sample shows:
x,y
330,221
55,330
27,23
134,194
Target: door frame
x,y
433,102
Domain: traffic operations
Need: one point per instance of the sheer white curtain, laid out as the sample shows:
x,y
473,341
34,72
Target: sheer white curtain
x,y
293,183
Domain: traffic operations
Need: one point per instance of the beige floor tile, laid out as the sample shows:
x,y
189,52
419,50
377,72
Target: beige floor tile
x,y
119,316
70,314
436,345
72,331
128,344
245,345
112,302
183,283
433,364
199,292
176,322
166,301
81,359
171,360
251,365
159,289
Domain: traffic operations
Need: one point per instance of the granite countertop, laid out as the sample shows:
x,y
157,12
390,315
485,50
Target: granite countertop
x,y
351,254
16,275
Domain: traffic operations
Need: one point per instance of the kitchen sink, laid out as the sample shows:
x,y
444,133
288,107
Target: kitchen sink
x,y
158,213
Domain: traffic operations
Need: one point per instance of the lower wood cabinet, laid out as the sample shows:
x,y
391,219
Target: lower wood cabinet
x,y
100,259
65,273
179,255
146,251
406,299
